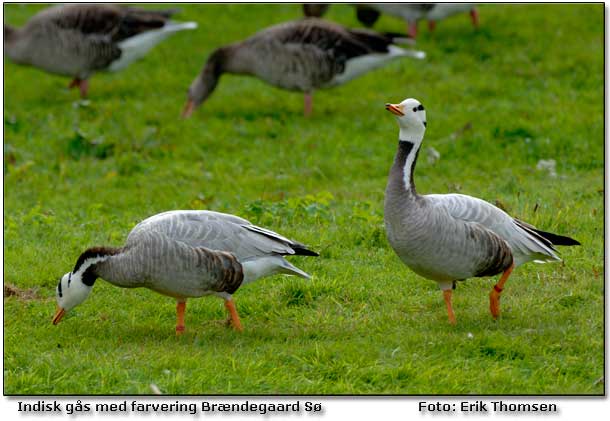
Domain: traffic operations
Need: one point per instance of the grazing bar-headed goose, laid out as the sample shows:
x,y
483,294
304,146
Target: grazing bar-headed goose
x,y
452,237
78,40
184,254
301,55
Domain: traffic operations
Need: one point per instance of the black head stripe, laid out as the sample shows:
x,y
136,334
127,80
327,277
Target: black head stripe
x,y
59,289
69,278
425,124
94,252
420,107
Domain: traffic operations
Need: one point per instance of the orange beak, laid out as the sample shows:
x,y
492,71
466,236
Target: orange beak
x,y
189,107
394,109
58,315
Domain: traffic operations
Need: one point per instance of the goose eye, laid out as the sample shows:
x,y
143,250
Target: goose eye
x,y
420,107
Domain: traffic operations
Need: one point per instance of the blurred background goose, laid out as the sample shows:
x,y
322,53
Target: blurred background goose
x,y
78,40
368,13
302,55
184,254
452,237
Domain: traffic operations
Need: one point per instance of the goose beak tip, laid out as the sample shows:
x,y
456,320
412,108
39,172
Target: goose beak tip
x,y
394,109
59,314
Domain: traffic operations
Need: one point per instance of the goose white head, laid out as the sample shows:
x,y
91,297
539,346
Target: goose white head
x,y
74,287
411,117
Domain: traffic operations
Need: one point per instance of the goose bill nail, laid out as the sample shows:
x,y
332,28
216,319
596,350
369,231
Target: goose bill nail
x,y
394,109
58,315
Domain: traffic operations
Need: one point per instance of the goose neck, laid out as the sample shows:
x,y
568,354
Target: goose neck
x,y
11,42
10,34
90,264
404,163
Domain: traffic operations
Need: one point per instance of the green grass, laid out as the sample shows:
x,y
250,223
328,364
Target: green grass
x,y
527,86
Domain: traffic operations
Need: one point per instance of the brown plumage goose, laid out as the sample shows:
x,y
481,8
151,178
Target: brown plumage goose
x,y
453,237
302,55
78,40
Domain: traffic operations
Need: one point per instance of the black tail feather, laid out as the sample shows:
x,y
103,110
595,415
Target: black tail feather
x,y
301,250
557,240
366,15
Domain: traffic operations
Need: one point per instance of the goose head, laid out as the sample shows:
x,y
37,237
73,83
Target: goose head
x,y
205,82
9,33
411,117
74,287
70,292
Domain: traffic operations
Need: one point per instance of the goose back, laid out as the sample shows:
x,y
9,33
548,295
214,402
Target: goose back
x,y
218,231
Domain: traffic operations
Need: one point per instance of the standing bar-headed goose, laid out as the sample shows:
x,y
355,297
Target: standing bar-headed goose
x,y
78,40
184,254
452,237
301,55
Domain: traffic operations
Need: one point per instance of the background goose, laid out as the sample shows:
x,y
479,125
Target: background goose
x,y
452,237
184,254
301,55
410,12
78,40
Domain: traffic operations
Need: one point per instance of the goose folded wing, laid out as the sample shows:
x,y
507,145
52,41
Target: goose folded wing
x,y
216,231
326,36
116,23
522,240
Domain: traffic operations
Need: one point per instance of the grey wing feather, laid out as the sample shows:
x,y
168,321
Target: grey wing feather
x,y
524,244
216,231
330,37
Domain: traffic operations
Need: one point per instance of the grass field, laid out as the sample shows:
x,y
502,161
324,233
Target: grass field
x,y
527,86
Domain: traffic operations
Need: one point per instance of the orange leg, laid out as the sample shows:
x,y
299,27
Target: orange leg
x,y
234,317
450,313
308,104
180,308
494,295
83,85
474,17
412,29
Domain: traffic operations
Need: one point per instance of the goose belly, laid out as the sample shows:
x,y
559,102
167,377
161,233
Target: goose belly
x,y
179,288
440,251
292,67
57,61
